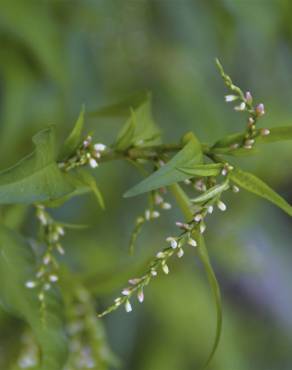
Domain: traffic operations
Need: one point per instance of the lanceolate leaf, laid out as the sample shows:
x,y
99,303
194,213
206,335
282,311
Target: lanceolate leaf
x,y
255,185
75,137
140,129
169,173
16,267
37,176
212,192
88,180
212,169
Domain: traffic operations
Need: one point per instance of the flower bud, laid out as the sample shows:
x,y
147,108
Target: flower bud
x,y
260,110
230,98
248,97
265,132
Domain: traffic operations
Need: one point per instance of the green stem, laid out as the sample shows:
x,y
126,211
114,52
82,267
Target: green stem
x,y
184,203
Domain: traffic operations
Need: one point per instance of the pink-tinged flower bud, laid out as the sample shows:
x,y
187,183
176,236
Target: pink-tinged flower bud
x,y
198,217
140,296
260,110
265,132
248,97
126,291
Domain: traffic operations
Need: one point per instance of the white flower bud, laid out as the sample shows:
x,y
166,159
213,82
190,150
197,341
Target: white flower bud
x,y
99,147
134,281
160,255
158,199
93,163
192,242
241,107
198,217
230,98
202,227
265,132
172,242
187,181
126,291
60,249
224,171
153,272
210,209
147,214
30,284
53,278
165,268
128,306
155,214
47,259
166,206
180,253
221,206
60,230
235,189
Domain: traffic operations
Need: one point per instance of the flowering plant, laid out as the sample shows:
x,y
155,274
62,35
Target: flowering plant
x,y
196,174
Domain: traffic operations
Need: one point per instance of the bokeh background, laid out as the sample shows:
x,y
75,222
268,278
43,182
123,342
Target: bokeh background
x,y
56,55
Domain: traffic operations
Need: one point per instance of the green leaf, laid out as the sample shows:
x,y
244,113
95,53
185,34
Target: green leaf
x,y
168,174
253,184
140,129
88,180
37,176
74,139
212,169
212,192
17,265
123,107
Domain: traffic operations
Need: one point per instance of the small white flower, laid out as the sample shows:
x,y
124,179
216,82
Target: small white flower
x,y
140,295
42,218
187,181
249,142
180,253
30,284
198,217
86,143
172,241
210,209
134,281
60,249
147,214
53,278
126,291
158,199
247,146
153,272
230,98
166,206
47,259
235,189
202,227
155,214
240,107
221,206
93,163
99,147
224,171
192,242
265,132
160,255
60,230
128,306
165,268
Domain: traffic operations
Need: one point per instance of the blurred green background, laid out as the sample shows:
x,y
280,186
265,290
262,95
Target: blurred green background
x,y
56,55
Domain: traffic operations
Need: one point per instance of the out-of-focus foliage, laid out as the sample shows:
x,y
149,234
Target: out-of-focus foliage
x,y
57,55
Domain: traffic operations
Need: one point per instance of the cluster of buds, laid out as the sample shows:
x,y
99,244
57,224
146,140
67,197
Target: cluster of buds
x,y
47,273
87,154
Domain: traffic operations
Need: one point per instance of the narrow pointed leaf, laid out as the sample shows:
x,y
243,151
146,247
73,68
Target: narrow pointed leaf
x,y
17,265
37,176
126,135
212,192
253,184
75,137
88,180
168,174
